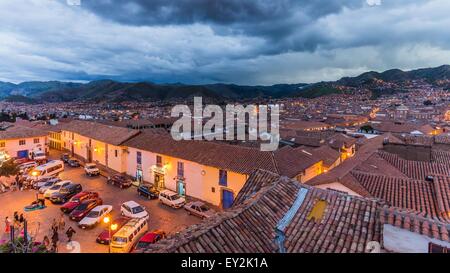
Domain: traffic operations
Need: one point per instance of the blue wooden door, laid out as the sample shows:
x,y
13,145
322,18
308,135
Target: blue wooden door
x,y
227,199
22,154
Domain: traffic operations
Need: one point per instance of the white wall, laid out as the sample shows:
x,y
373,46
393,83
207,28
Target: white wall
x,y
12,145
403,241
339,187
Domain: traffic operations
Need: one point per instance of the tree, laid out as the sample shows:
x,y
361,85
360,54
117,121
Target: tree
x,y
9,168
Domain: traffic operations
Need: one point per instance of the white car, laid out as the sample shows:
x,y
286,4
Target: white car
x,y
91,169
95,216
46,182
56,188
133,210
171,199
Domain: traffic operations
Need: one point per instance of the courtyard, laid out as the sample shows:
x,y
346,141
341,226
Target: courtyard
x,y
161,217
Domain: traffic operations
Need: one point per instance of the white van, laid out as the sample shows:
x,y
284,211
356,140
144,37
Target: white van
x,y
52,168
38,155
124,239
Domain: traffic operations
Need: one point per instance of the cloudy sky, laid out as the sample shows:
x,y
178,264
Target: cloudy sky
x,y
232,41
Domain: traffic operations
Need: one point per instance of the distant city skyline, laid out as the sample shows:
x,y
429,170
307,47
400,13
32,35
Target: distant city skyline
x,y
196,42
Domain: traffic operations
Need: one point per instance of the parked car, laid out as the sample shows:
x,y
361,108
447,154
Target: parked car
x,y
49,169
95,216
91,169
199,209
120,181
56,188
74,163
20,161
133,210
103,237
149,192
65,157
47,186
24,168
65,193
77,199
84,208
171,199
149,238
47,181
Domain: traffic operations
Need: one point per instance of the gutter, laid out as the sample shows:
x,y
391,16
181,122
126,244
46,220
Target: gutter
x,y
287,218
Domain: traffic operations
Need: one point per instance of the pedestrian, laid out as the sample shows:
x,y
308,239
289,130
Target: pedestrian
x,y
21,219
46,242
55,239
16,220
70,231
62,223
54,225
7,225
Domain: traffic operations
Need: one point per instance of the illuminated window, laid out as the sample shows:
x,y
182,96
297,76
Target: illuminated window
x,y
318,211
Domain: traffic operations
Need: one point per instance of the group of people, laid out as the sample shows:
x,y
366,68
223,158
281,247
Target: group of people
x,y
17,224
52,243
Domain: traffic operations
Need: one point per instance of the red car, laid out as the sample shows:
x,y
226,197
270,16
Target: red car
x,y
77,199
103,238
84,208
149,238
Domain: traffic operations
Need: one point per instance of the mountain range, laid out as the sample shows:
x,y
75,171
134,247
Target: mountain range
x,y
114,91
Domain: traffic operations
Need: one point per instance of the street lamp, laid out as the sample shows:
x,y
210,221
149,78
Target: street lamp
x,y
111,227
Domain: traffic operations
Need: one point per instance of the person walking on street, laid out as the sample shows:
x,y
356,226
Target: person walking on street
x,y
62,223
70,231
55,239
7,225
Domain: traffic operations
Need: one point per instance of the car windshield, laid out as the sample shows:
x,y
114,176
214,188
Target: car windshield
x,y
91,166
93,214
39,154
48,184
75,199
175,197
64,190
82,206
142,245
119,240
204,208
137,209
56,187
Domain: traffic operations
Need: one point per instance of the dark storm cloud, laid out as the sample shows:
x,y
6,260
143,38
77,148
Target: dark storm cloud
x,y
204,41
274,20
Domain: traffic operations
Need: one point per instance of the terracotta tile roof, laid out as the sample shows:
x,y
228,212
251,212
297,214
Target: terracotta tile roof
x,y
341,173
415,169
325,153
387,126
16,132
101,132
292,162
377,165
442,157
236,158
338,141
442,139
429,199
415,223
347,225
